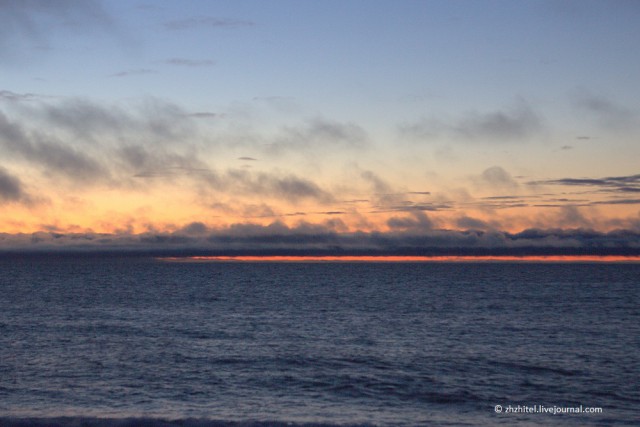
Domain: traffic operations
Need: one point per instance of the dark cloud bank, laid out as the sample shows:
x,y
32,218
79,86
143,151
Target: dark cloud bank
x,y
407,237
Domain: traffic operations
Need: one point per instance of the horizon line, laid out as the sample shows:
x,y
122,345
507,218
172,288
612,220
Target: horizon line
x,y
412,259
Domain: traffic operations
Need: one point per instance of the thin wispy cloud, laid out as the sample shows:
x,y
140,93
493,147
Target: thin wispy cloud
x,y
622,184
133,72
27,24
318,133
205,22
604,110
184,62
203,115
517,123
7,95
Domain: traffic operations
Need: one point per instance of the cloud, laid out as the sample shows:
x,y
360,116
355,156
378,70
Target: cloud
x,y
414,236
11,188
54,156
616,184
570,216
7,95
184,62
469,223
497,177
205,22
194,229
247,159
386,198
383,197
286,187
86,121
379,185
607,112
237,183
418,221
31,23
88,142
203,115
618,202
133,72
517,123
318,133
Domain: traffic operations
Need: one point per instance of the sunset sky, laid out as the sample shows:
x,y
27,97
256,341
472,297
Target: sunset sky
x,y
300,126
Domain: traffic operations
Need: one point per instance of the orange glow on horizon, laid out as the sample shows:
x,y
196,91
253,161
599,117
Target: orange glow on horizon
x,y
487,258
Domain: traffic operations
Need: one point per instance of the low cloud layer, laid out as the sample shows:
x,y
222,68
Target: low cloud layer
x,y
413,236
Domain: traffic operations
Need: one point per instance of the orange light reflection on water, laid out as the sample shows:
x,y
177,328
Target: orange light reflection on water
x,y
488,258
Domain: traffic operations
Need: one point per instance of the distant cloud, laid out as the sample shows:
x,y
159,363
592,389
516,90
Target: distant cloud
x,y
379,185
283,187
497,177
190,62
172,171
619,184
153,119
7,95
618,202
418,221
606,111
288,187
412,235
247,159
517,123
384,197
203,115
317,133
205,22
134,72
514,124
570,216
469,223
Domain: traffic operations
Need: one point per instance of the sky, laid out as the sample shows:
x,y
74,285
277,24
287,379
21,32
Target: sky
x,y
293,127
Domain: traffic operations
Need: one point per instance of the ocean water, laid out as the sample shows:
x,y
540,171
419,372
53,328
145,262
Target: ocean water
x,y
138,341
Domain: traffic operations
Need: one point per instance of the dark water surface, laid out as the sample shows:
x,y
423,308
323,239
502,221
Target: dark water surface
x,y
109,341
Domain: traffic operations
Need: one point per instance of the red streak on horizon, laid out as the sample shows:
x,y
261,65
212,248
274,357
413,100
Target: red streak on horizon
x,y
488,258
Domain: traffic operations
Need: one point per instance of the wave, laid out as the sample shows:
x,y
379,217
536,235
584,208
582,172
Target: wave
x,y
153,422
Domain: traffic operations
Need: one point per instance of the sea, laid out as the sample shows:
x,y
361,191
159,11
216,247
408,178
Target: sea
x,y
141,341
